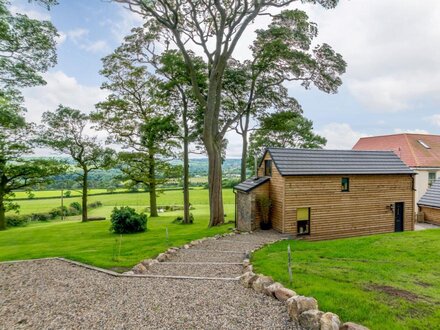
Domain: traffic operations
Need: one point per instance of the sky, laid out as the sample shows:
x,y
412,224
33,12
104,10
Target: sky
x,y
392,49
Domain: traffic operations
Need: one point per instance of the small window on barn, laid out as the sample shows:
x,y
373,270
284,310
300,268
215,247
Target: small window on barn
x,y
303,221
431,178
268,167
345,184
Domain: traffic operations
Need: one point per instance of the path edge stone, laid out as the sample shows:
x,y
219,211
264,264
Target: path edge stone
x,y
296,305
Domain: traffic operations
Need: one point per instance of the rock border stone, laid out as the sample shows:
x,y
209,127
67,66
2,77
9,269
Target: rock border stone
x,y
301,309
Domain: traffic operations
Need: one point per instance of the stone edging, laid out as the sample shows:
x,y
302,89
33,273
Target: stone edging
x,y
301,309
142,267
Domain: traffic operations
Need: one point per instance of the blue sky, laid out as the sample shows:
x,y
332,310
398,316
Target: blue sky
x,y
392,48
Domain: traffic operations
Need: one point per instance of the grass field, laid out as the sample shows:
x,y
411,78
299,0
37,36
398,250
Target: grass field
x,y
92,242
387,281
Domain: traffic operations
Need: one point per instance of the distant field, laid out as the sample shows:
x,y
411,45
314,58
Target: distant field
x,y
57,193
137,200
389,281
93,243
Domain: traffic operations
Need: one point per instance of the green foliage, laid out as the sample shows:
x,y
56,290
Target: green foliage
x,y
125,220
27,48
264,203
383,281
77,206
284,130
17,220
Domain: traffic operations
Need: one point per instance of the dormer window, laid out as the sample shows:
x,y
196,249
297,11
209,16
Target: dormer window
x,y
268,167
424,144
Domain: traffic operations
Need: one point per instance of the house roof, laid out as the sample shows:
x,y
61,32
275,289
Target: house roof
x,y
416,150
251,183
336,162
432,196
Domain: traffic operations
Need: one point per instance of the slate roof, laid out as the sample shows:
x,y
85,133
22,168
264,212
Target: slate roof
x,y
416,150
336,162
251,183
432,196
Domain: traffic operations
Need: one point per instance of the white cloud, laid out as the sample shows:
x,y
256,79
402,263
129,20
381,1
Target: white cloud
x,y
34,13
80,37
434,119
60,89
77,35
390,47
412,131
61,38
121,27
99,46
340,136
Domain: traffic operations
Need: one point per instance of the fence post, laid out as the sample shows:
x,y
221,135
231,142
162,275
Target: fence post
x,y
289,254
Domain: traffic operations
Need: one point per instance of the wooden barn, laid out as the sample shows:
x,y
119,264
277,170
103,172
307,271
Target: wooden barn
x,y
429,204
325,194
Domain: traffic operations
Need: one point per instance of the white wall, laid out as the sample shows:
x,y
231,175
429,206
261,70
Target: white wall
x,y
421,181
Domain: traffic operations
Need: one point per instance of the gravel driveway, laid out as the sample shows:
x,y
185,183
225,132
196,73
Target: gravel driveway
x,y
54,294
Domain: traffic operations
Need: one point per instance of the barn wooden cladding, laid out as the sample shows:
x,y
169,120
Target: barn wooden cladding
x,y
325,194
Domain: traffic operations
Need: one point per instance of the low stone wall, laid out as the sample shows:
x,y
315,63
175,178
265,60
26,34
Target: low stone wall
x,y
301,309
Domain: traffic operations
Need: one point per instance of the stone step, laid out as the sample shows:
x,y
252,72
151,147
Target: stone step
x,y
191,255
195,270
220,245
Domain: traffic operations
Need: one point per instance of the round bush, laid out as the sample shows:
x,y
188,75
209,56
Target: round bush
x,y
125,220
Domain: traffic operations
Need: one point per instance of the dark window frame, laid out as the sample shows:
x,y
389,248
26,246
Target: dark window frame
x,y
268,167
347,183
303,222
431,180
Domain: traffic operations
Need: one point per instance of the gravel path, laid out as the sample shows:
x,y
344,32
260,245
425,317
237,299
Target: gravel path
x,y
53,294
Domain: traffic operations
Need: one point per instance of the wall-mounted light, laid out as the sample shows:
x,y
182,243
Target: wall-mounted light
x,y
390,207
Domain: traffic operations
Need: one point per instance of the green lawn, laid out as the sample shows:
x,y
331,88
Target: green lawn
x,y
389,281
92,242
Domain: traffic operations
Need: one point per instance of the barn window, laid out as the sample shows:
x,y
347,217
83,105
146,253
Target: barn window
x,y
431,178
268,167
345,184
303,221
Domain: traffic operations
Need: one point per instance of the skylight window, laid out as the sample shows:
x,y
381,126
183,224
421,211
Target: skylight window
x,y
424,144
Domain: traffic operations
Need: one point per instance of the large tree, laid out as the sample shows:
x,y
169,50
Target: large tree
x,y
17,171
64,131
285,129
283,53
137,116
27,48
214,27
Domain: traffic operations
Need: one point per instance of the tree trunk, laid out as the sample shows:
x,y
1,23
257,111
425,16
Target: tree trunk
x,y
2,211
244,151
152,177
215,184
84,194
186,219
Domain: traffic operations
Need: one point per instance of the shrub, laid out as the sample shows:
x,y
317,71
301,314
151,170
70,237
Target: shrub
x,y
17,220
94,205
68,194
77,206
42,216
125,220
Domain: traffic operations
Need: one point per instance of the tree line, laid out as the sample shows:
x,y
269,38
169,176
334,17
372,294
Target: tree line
x,y
174,88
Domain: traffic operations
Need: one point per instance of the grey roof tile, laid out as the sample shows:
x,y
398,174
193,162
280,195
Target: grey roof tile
x,y
336,162
432,196
251,183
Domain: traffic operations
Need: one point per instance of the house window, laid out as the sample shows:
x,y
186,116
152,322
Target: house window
x,y
431,178
303,221
345,184
268,167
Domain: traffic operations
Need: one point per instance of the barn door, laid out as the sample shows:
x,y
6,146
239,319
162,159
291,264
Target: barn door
x,y
398,217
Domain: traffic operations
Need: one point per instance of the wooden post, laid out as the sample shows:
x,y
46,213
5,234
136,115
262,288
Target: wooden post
x,y
289,254
62,204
